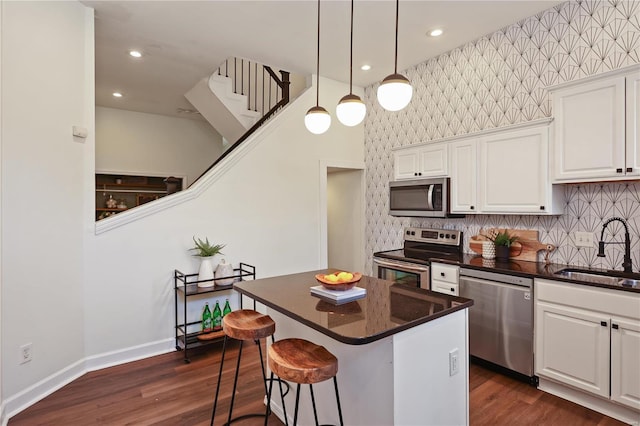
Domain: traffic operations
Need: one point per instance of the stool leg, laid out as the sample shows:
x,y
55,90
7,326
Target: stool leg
x,y
295,414
313,402
284,408
335,382
264,379
235,381
266,418
215,402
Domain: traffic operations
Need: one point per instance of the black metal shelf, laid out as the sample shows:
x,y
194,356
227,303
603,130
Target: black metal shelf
x,y
186,285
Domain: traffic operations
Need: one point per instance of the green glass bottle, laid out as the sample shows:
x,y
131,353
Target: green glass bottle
x,y
207,319
217,317
227,308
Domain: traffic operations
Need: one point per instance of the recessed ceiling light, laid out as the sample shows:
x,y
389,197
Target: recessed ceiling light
x,y
117,94
436,32
365,67
135,53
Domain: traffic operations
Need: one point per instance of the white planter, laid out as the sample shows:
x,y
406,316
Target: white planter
x,y
206,272
488,250
224,270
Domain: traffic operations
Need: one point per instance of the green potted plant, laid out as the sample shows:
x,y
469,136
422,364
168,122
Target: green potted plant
x,y
206,251
503,242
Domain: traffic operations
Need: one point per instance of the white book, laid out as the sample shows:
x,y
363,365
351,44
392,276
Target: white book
x,y
337,296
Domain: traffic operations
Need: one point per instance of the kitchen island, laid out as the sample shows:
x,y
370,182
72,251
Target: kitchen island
x,y
402,351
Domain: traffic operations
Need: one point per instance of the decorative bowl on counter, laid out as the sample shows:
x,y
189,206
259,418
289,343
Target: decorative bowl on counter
x,y
339,283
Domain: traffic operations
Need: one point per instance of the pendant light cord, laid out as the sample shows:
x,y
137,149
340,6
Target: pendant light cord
x,y
395,68
351,54
318,62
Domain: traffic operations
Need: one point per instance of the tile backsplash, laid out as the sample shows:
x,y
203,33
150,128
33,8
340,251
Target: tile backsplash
x,y
496,81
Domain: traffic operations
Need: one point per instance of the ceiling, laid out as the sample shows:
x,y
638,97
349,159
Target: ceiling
x,y
184,41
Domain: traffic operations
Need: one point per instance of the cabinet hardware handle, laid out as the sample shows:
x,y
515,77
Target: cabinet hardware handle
x,y
453,290
614,326
541,207
603,323
472,207
442,274
629,169
618,170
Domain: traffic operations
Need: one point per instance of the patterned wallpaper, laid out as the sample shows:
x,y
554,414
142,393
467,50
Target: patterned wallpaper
x,y
496,81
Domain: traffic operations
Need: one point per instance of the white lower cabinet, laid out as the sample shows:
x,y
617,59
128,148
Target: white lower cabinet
x,y
574,347
445,278
625,362
589,339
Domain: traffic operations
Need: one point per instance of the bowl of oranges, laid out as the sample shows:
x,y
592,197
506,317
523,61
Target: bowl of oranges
x,y
339,280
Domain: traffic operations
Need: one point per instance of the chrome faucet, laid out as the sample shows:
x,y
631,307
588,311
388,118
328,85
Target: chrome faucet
x,y
626,264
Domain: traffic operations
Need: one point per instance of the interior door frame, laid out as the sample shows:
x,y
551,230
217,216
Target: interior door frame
x,y
325,165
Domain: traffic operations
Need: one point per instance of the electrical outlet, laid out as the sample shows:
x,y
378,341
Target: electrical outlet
x,y
583,239
454,362
26,353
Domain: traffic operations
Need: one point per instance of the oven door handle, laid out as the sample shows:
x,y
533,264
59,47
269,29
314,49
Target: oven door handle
x,y
401,266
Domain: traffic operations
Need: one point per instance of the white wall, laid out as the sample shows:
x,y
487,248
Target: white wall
x,y
47,52
139,143
265,209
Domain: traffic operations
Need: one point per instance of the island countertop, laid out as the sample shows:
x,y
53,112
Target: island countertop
x,y
386,309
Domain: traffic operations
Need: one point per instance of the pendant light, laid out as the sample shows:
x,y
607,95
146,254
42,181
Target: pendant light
x,y
317,120
351,110
395,91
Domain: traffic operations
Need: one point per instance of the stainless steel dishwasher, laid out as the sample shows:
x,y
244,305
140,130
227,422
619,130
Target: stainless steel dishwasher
x,y
501,319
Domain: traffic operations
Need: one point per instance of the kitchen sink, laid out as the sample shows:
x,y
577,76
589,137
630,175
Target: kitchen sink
x,y
599,277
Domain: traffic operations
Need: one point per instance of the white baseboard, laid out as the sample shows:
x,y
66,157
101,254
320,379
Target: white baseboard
x,y
45,387
134,353
603,406
34,393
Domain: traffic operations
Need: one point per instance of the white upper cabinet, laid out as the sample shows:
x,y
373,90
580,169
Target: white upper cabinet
x,y
596,123
420,161
632,82
464,175
514,173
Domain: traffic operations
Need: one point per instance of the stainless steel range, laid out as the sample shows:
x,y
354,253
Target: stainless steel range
x,y
410,265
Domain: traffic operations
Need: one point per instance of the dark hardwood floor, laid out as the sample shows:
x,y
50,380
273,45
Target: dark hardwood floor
x,y
163,390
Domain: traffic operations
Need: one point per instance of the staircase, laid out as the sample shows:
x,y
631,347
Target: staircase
x,y
238,97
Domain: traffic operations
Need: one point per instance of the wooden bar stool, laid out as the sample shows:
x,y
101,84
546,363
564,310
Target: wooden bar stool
x,y
242,325
302,362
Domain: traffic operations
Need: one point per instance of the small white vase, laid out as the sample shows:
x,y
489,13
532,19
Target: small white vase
x,y
225,271
488,250
206,272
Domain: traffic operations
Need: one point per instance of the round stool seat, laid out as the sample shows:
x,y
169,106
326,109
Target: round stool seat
x,y
247,324
300,361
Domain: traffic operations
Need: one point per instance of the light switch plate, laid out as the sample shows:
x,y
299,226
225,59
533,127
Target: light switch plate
x,y
583,239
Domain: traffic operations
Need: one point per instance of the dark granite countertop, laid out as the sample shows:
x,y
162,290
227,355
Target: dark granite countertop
x,y
536,270
386,309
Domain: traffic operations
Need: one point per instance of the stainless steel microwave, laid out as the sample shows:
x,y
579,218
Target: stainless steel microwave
x,y
420,198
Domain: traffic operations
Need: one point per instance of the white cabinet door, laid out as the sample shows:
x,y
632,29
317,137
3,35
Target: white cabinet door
x,y
420,162
633,124
464,176
625,362
432,160
589,130
405,164
572,346
513,172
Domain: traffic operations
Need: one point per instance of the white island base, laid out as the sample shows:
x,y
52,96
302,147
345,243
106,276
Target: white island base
x,y
402,379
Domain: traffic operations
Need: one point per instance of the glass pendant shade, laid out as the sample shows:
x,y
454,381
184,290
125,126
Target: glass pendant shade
x,y
351,110
317,120
395,92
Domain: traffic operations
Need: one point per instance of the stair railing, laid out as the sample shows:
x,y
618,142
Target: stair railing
x,y
266,93
258,82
